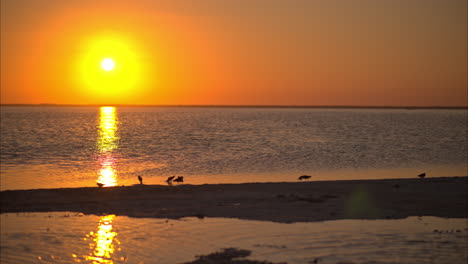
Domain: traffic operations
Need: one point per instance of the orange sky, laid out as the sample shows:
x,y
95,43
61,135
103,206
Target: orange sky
x,y
244,52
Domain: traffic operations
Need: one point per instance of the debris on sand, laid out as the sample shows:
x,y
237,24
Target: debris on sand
x,y
228,256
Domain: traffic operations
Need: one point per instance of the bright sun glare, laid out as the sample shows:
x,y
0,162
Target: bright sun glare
x,y
107,64
110,66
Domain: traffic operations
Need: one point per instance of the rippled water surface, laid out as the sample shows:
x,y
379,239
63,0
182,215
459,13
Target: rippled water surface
x,y
49,147
72,237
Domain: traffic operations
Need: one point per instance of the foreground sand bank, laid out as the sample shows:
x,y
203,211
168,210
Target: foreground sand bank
x,y
279,202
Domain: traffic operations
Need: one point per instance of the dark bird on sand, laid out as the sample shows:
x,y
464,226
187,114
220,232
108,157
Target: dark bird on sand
x,y
100,184
179,179
422,175
140,179
304,177
169,179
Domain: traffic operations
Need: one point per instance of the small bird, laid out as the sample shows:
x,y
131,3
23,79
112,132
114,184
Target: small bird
x,y
422,175
100,184
169,179
304,177
140,179
179,179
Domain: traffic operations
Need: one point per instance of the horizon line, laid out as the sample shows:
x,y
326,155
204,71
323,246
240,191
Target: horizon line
x,y
239,106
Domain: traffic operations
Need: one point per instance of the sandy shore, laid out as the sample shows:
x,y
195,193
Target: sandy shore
x,y
279,202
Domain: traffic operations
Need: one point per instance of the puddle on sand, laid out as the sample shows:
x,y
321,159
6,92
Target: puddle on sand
x,y
73,237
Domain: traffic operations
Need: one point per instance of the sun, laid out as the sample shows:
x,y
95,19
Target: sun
x,y
107,64
111,66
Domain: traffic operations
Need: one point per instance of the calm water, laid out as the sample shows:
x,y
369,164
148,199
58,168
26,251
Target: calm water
x,y
49,147
72,238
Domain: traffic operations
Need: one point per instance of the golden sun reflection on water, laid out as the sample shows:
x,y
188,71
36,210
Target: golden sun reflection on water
x,y
107,142
103,242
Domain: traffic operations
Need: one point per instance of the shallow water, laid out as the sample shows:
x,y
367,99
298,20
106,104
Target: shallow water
x,y
51,147
73,237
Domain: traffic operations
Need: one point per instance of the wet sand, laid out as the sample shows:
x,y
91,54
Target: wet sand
x,y
278,202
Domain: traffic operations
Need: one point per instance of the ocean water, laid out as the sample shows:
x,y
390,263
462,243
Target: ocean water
x,y
77,238
52,147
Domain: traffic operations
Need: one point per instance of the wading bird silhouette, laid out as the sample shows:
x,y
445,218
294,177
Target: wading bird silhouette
x,y
304,177
179,179
169,179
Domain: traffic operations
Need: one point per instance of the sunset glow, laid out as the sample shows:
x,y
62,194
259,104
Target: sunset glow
x,y
377,53
156,131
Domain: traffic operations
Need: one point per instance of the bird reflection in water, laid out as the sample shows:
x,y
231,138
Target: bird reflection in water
x,y
107,142
103,243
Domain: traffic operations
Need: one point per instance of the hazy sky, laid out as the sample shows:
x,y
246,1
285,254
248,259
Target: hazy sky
x,y
238,52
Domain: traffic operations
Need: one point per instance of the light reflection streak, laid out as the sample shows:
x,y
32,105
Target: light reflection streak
x,y
103,243
107,142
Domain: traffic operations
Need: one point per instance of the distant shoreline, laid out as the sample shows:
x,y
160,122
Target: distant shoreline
x,y
278,202
242,106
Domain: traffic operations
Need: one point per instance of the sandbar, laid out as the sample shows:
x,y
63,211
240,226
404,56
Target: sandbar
x,y
285,202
